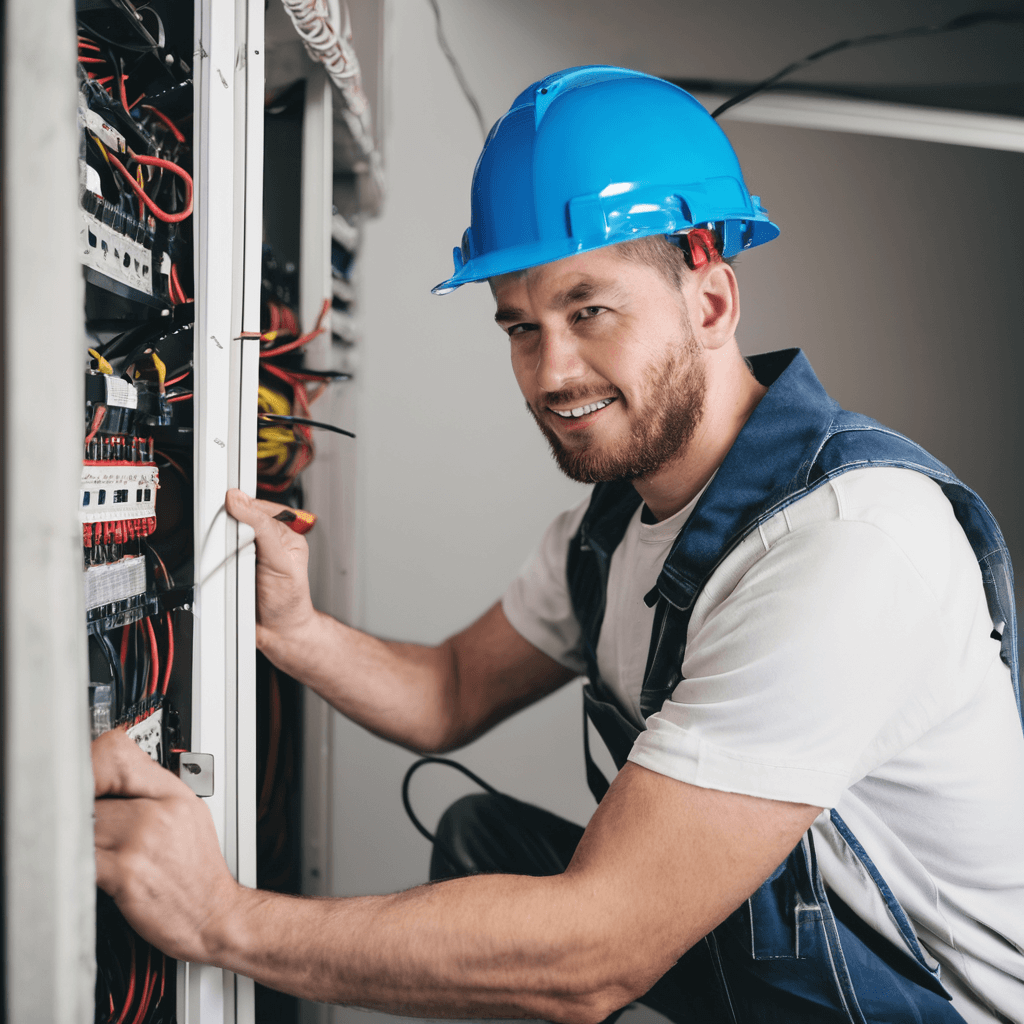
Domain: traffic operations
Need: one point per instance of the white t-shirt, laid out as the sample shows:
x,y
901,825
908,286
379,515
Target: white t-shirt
x,y
841,656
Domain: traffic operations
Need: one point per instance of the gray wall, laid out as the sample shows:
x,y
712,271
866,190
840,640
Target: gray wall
x,y
898,270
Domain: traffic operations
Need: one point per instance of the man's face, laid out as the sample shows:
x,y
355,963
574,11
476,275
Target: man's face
x,y
603,351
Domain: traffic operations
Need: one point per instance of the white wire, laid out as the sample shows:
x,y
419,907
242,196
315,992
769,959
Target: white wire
x,y
329,42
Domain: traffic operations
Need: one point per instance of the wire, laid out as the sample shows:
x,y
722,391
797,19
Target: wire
x,y
180,398
415,767
155,161
271,417
176,282
170,654
302,339
168,123
442,41
154,659
97,419
961,22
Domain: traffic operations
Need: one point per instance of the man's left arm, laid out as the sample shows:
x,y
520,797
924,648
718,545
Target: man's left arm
x,y
661,864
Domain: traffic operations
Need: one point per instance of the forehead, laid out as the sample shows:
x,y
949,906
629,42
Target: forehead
x,y
574,278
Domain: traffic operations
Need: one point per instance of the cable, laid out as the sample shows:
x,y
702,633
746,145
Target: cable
x,y
442,41
176,289
168,123
154,659
170,654
415,767
155,161
271,417
97,420
963,21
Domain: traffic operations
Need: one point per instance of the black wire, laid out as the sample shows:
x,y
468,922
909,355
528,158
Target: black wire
x,y
415,766
442,41
963,21
133,47
274,418
115,669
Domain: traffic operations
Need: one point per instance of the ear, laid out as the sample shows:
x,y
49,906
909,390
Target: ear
x,y
715,313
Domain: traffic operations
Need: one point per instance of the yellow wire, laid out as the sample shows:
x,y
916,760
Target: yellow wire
x,y
273,442
104,366
161,369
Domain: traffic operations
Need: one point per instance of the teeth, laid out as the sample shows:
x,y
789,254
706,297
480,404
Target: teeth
x,y
583,410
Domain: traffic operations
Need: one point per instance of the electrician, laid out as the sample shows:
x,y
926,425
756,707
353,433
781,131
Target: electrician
x,y
807,683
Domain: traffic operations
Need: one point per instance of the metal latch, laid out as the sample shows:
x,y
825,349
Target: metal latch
x,y
196,771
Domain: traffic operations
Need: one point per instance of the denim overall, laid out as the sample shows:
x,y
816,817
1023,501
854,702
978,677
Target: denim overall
x,y
790,953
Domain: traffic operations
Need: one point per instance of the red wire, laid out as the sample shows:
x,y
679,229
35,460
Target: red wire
x,y
179,398
153,161
97,419
172,286
124,646
182,297
154,657
160,115
92,60
124,92
170,657
302,339
147,989
131,988
182,376
135,102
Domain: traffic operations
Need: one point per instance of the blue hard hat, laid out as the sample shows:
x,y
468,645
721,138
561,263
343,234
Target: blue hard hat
x,y
596,155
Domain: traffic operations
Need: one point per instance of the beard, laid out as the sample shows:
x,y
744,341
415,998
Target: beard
x,y
660,428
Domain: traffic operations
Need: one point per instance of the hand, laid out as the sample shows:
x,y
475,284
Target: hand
x,y
284,608
157,853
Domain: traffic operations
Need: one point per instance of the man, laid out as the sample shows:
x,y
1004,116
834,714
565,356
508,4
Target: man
x,y
804,677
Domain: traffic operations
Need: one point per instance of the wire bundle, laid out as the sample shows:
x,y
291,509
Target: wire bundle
x,y
327,41
284,444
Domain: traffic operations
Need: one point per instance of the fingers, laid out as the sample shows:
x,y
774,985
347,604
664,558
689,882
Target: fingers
x,y
121,769
259,514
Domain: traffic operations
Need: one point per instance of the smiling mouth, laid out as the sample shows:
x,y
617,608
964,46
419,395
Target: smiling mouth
x,y
582,410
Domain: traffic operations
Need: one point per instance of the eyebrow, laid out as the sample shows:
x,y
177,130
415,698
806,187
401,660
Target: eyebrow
x,y
579,292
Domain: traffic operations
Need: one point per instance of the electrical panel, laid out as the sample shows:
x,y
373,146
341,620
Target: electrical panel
x,y
136,247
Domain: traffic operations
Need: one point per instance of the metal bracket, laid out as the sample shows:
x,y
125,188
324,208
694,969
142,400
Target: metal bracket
x,y
196,771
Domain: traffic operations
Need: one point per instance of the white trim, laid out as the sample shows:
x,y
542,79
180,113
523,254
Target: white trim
x,y
868,117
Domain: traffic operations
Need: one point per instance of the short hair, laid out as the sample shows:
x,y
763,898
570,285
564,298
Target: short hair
x,y
668,254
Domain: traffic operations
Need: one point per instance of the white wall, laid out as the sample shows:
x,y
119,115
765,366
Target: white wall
x,y
903,318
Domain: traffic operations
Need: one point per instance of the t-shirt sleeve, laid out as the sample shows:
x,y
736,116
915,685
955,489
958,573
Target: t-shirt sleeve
x,y
830,656
537,602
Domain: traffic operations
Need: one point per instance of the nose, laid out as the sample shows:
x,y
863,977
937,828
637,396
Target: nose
x,y
558,359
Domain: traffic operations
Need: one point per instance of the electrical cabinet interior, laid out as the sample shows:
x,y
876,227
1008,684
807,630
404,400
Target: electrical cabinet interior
x,y
170,169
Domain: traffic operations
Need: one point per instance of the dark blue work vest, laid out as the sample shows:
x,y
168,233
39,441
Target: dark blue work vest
x,y
789,954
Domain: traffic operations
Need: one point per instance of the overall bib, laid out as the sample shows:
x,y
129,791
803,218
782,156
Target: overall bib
x,y
791,953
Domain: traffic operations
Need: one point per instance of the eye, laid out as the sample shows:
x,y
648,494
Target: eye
x,y
589,312
516,329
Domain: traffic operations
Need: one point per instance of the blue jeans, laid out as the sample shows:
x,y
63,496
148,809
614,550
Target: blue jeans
x,y
790,955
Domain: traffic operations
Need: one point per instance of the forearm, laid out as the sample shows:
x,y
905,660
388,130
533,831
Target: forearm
x,y
403,692
486,946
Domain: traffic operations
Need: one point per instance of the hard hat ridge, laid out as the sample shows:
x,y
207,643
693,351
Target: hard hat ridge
x,y
596,155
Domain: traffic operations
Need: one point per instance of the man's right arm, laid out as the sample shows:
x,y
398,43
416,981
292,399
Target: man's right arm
x,y
425,698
